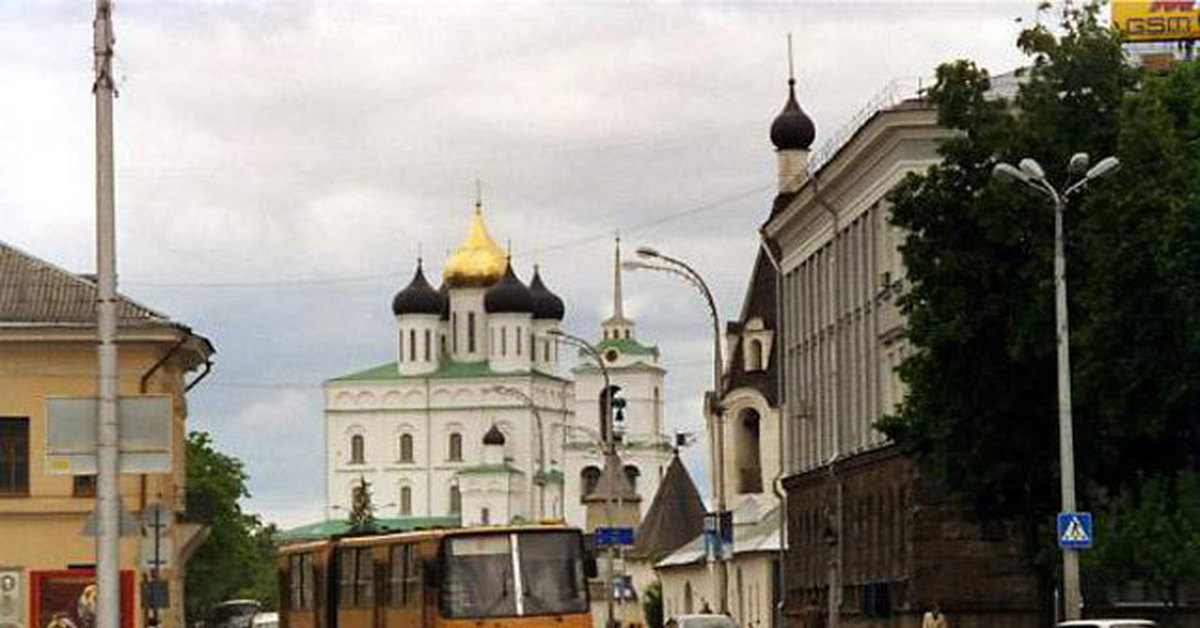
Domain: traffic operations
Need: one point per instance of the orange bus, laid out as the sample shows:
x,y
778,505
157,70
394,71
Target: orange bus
x,y
496,577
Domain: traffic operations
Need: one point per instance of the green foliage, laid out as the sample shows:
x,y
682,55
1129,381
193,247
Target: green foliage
x,y
653,605
236,559
1149,536
981,413
362,509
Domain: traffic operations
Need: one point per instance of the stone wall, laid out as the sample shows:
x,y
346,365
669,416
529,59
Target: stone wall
x,y
902,548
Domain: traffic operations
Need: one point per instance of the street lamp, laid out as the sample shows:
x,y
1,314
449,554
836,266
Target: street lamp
x,y
681,269
1030,173
540,478
610,451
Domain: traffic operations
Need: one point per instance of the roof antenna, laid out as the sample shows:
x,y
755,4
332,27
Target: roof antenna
x,y
478,195
420,253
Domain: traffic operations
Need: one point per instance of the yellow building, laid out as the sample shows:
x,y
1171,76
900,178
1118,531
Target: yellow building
x,y
48,345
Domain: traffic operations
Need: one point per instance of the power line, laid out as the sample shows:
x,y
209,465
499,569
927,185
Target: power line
x,y
393,275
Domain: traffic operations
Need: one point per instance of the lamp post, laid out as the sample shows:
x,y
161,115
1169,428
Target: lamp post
x,y
541,456
680,268
610,452
1030,173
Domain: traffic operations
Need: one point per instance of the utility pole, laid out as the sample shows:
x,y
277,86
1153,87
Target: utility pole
x,y
108,499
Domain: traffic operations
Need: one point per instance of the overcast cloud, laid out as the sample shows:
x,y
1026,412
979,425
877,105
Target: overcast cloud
x,y
280,165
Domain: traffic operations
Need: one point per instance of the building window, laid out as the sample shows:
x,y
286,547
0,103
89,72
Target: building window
x,y
406,448
754,355
406,500
357,454
546,350
14,456
428,342
517,339
412,344
455,499
503,341
400,342
454,331
455,453
589,478
532,347
748,451
470,332
83,486
485,516
632,474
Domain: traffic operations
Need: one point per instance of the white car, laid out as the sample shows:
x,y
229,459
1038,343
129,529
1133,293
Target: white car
x,y
1108,623
700,621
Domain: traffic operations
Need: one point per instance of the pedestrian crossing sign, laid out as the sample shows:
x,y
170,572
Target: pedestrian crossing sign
x,y
1075,529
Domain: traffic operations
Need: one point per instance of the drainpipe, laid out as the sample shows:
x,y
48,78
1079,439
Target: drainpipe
x,y
779,349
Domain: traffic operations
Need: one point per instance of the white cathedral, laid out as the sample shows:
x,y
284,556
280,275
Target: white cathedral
x,y
475,419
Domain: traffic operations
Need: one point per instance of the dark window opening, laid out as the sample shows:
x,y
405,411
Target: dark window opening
x,y
357,446
589,478
455,453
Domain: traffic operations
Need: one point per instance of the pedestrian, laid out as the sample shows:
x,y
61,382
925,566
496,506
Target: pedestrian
x,y
934,618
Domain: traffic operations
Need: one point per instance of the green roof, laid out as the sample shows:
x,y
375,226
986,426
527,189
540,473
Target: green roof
x,y
482,469
333,527
448,370
626,345
553,476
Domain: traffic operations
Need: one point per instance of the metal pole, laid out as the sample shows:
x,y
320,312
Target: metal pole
x,y
1072,597
108,505
718,411
610,454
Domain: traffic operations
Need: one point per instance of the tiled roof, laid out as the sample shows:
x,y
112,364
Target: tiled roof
x,y
675,517
33,290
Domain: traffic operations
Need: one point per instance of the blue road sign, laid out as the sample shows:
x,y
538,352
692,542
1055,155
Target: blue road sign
x,y
1074,529
614,536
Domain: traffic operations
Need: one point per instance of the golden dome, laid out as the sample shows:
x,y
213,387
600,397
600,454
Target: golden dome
x,y
479,261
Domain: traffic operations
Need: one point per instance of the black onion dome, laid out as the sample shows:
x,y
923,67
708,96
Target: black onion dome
x,y
546,304
792,128
418,297
493,437
508,295
444,291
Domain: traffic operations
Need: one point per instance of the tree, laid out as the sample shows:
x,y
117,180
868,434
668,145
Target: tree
x,y
980,414
235,560
653,605
361,518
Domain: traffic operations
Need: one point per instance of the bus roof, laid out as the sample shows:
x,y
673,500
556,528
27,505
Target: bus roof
x,y
356,541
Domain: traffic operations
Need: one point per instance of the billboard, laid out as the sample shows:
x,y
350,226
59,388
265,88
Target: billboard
x,y
67,599
1157,20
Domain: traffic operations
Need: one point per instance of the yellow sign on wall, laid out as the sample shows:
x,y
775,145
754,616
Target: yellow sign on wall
x,y
1157,20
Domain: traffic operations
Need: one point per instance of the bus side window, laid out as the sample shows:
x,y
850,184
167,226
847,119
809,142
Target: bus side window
x,y
396,561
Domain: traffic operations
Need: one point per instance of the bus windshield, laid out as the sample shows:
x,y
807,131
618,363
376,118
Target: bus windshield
x,y
513,574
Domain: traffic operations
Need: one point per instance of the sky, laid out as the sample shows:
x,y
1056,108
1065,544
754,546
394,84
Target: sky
x,y
281,165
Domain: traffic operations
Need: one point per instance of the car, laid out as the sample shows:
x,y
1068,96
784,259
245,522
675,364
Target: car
x,y
1108,623
265,620
705,620
233,614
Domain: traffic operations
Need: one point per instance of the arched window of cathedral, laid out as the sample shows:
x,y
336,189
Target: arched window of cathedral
x,y
412,345
357,446
400,343
627,334
455,453
470,332
546,350
428,342
405,500
589,478
687,598
443,340
485,516
455,499
632,474
657,410
503,341
406,448
517,339
754,356
749,461
454,331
